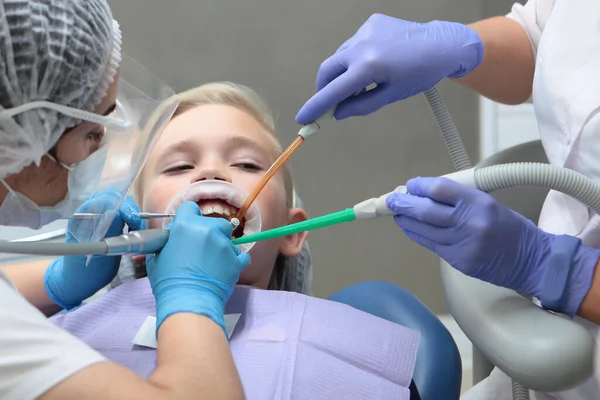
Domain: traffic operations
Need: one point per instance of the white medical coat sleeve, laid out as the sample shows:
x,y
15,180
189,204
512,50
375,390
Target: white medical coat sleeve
x,y
533,17
35,355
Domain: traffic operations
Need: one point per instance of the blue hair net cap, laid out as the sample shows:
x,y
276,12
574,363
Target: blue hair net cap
x,y
62,51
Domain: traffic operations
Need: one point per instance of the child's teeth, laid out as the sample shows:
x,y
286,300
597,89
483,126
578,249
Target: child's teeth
x,y
217,208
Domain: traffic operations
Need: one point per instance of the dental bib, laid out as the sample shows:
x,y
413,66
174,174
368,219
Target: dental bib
x,y
203,192
285,345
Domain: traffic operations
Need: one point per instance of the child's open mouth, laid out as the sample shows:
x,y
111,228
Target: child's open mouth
x,y
220,199
218,208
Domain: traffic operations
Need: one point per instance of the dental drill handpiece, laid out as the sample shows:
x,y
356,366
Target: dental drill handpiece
x,y
149,241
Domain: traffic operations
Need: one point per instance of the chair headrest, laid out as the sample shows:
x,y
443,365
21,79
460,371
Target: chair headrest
x,y
293,274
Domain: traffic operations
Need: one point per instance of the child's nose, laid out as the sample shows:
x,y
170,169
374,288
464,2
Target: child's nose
x,y
212,173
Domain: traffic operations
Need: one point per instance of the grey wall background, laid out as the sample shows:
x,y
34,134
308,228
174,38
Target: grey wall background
x,y
276,47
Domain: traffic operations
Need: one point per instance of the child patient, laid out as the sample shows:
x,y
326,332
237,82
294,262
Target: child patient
x,y
285,344
222,131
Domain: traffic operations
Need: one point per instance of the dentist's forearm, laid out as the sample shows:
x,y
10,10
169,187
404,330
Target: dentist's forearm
x,y
506,73
29,280
193,362
203,351
590,307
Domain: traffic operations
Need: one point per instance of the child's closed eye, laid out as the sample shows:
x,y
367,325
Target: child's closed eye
x,y
178,168
248,166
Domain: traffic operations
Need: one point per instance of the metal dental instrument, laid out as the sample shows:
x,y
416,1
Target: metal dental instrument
x,y
142,215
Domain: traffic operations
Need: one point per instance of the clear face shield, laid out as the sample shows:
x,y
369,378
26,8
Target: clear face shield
x,y
143,108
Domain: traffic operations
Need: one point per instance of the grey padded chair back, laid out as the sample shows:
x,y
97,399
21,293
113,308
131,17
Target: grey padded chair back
x,y
540,350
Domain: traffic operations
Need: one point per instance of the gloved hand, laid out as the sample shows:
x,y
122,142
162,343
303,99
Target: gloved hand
x,y
486,240
403,58
68,280
197,269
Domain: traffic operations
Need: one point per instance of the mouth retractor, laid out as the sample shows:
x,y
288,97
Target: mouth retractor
x,y
220,199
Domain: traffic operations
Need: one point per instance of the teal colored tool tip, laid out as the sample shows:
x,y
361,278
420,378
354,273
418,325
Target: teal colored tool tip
x,y
335,218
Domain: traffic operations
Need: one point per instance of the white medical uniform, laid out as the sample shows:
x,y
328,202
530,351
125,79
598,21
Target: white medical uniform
x,y
565,35
35,354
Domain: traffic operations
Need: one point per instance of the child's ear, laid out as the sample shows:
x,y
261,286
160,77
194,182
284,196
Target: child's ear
x,y
292,244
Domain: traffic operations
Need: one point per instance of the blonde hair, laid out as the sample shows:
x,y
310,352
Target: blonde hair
x,y
237,96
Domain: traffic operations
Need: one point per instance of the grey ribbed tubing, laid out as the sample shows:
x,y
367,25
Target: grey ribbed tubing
x,y
519,392
445,123
572,183
461,161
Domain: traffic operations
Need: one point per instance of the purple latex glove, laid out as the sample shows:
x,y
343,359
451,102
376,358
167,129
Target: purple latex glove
x,y
403,58
486,240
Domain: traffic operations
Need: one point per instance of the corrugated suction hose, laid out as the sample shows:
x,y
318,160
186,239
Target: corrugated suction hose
x,y
445,123
461,161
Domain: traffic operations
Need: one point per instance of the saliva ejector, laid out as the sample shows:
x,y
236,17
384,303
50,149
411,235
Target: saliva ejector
x,y
305,132
487,179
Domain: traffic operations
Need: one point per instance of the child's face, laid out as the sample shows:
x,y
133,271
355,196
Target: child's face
x,y
224,143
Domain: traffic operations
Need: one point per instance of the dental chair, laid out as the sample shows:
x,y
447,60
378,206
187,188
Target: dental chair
x,y
540,350
438,368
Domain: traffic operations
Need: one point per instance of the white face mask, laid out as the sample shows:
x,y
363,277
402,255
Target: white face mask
x,y
83,178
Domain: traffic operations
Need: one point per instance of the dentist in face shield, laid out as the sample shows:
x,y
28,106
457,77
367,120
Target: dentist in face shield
x,y
545,47
59,80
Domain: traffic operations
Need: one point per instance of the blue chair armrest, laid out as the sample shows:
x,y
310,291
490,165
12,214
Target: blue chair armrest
x,y
438,370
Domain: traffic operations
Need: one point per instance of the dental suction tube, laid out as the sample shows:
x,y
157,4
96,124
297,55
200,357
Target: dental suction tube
x,y
447,128
508,176
488,179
